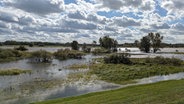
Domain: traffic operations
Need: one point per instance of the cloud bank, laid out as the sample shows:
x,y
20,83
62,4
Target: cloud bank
x,y
87,20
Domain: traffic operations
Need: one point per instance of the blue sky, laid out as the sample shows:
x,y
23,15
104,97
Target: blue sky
x,y
88,20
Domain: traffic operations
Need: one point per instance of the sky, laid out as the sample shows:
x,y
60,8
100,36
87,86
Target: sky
x,y
88,20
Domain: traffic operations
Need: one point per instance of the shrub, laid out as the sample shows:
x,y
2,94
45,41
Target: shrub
x,y
98,51
164,61
8,53
63,54
21,48
118,59
41,56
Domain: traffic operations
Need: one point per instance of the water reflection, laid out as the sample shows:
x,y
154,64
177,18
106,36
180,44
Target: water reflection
x,y
48,81
161,78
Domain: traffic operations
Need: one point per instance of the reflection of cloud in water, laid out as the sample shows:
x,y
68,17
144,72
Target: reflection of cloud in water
x,y
66,90
161,78
78,88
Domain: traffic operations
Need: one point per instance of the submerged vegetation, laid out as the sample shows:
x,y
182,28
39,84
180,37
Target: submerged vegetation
x,y
7,55
78,66
64,54
41,56
13,71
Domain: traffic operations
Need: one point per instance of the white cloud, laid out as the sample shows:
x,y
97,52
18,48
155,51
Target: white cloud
x,y
127,5
174,7
179,27
54,21
40,7
160,26
125,21
8,17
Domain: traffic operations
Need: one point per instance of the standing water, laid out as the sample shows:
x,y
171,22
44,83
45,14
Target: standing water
x,y
54,80
47,81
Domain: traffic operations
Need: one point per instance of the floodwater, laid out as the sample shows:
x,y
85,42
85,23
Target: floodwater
x,y
164,52
47,81
31,49
54,80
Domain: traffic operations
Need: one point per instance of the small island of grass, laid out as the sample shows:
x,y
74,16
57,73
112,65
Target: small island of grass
x,y
78,66
13,72
113,70
7,55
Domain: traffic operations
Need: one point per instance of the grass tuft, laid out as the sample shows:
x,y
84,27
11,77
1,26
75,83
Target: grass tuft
x,y
13,71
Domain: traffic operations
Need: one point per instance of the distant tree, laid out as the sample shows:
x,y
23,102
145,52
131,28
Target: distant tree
x,y
74,45
108,43
156,40
136,43
84,46
94,43
1,43
145,44
31,44
151,40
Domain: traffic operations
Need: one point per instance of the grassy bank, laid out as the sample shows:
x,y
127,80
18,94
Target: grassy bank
x,y
169,92
7,55
123,74
13,72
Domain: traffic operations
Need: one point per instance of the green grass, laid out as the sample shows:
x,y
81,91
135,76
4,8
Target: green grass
x,y
123,74
178,52
63,54
13,72
78,66
168,92
7,55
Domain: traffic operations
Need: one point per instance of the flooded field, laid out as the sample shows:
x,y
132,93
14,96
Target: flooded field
x,y
47,81
54,80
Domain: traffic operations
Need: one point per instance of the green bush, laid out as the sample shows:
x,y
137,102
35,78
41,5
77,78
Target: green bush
x,y
98,51
21,48
118,59
63,54
10,55
6,53
41,56
164,61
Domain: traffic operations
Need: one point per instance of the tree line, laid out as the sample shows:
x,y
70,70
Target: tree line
x,y
152,40
94,43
